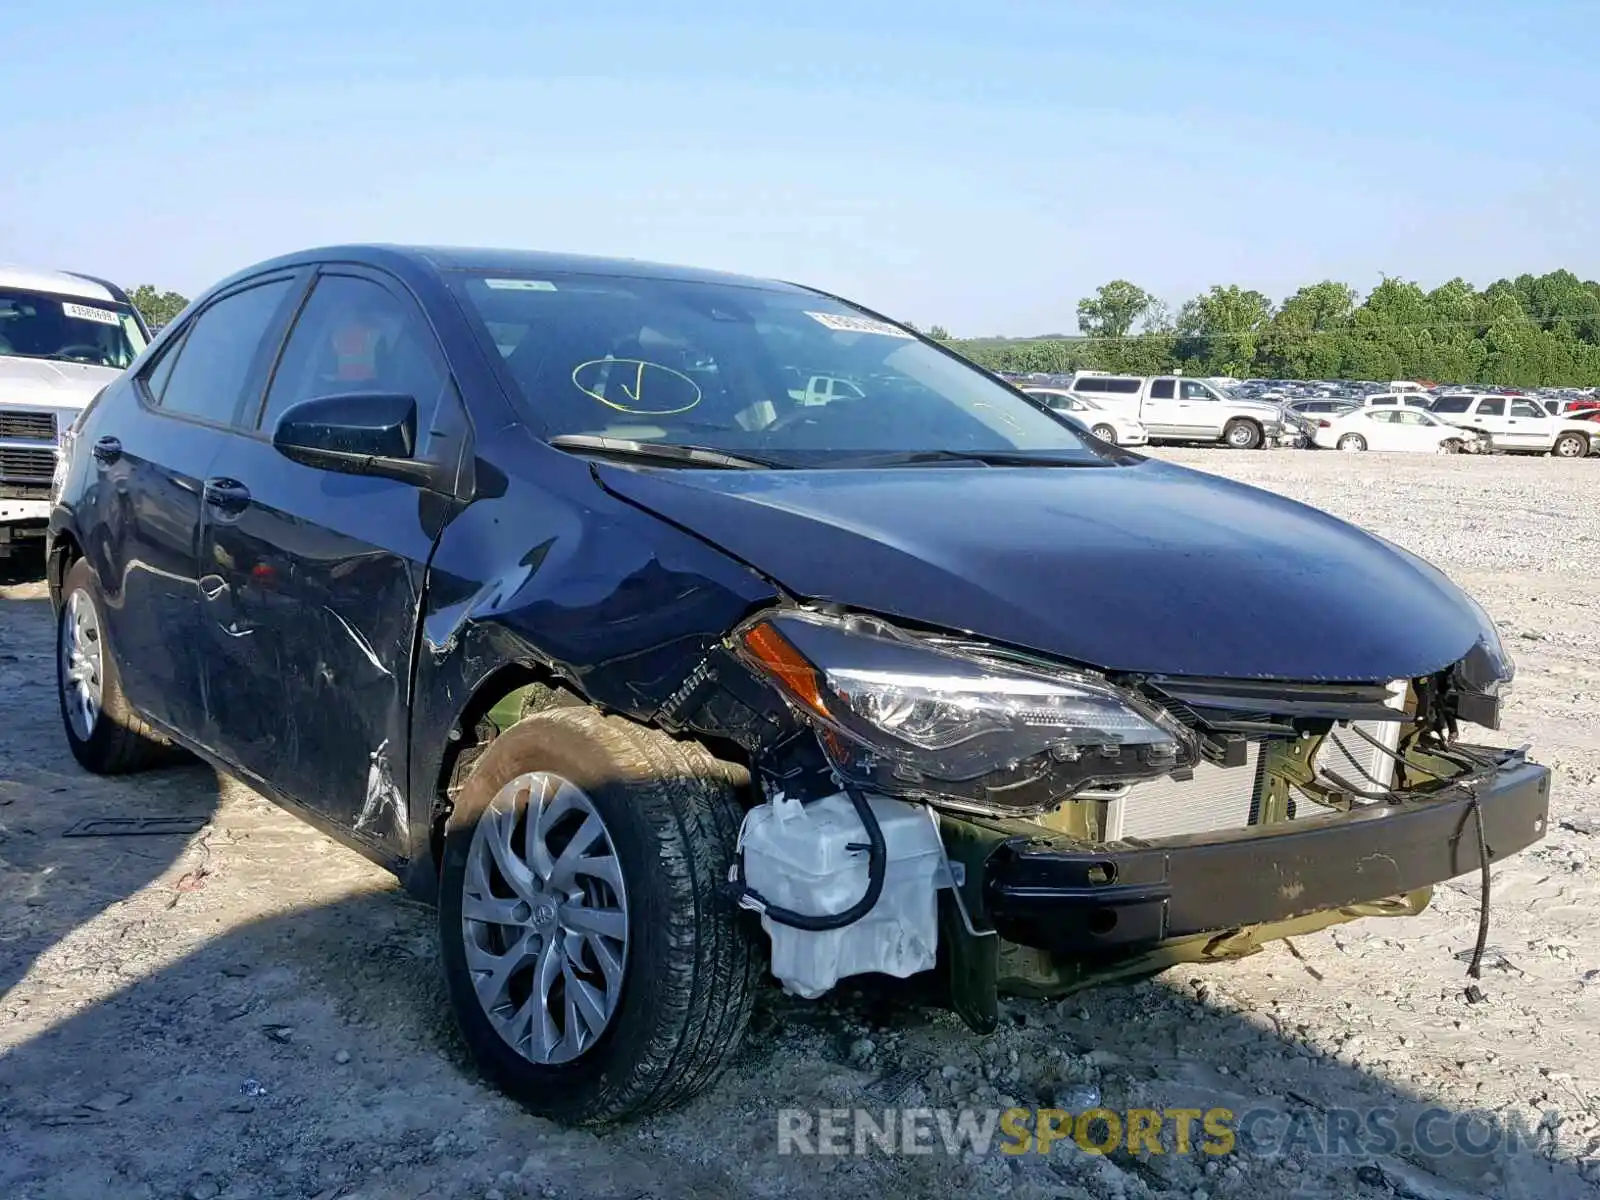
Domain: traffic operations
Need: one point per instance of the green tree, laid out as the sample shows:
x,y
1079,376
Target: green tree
x,y
1531,330
1218,331
157,308
1114,310
939,333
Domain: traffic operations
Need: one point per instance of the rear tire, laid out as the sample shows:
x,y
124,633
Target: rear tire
x,y
1352,443
1570,445
676,1008
104,733
1242,434
1105,433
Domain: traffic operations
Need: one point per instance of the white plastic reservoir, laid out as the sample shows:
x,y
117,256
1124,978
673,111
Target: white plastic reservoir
x,y
796,856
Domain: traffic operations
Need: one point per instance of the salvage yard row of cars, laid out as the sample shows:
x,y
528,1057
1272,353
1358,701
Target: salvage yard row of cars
x,y
1405,417
563,588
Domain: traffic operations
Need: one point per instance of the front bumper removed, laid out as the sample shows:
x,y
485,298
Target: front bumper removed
x,y
1063,895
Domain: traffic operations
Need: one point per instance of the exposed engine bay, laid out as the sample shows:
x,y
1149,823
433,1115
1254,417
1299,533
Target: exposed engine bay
x,y
1038,827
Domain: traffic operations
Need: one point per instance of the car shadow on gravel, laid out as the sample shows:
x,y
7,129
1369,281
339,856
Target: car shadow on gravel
x,y
311,1054
52,884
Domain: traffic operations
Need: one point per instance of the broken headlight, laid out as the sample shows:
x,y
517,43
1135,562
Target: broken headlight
x,y
1488,667
953,725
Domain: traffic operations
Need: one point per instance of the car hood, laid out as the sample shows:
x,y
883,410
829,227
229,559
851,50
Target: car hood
x,y
1149,568
42,383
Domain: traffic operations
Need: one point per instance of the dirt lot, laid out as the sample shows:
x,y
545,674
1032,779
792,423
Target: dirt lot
x,y
254,1011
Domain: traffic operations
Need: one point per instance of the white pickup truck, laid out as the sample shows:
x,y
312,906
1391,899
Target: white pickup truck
x,y
1175,409
1515,424
63,337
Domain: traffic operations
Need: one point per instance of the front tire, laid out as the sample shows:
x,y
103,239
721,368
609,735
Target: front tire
x,y
1570,445
1105,433
1242,434
1352,443
1451,446
104,733
595,968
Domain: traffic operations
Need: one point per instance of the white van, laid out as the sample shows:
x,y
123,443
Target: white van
x,y
1175,409
63,337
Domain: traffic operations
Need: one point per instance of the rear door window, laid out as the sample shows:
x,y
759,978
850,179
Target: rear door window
x,y
1491,408
1161,389
207,375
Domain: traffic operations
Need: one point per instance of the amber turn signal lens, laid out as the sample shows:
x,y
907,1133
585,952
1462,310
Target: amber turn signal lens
x,y
786,665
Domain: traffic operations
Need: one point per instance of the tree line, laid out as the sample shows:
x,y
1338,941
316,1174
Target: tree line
x,y
1531,331
1535,330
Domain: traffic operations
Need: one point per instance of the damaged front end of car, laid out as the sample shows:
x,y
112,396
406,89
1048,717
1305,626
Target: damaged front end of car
x,y
1031,826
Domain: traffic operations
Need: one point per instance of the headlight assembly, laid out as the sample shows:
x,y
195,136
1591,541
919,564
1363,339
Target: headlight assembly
x,y
953,725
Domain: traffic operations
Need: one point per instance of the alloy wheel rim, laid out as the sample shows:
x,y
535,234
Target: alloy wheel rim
x,y
544,918
1567,448
82,664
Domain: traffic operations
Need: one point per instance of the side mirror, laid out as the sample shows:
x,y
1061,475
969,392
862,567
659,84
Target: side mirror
x,y
356,433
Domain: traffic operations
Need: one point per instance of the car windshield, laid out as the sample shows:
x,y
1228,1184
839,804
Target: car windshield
x,y
1452,404
68,329
781,376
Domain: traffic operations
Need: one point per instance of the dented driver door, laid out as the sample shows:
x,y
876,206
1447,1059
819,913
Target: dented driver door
x,y
312,578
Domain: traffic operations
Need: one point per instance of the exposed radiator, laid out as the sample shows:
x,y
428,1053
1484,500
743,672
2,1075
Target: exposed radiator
x,y
1220,798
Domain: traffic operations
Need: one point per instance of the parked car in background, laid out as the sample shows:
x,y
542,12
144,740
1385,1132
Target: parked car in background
x,y
1108,426
1412,399
63,337
1516,424
1591,418
523,574
1175,409
1408,430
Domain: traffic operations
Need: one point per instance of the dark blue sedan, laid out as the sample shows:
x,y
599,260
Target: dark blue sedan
x,y
664,625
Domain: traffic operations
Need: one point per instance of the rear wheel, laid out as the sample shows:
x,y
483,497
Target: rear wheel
x,y
1242,434
1105,433
595,968
1352,443
1570,445
105,735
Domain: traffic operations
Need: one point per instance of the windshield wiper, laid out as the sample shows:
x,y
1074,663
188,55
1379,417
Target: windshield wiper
x,y
988,458
672,452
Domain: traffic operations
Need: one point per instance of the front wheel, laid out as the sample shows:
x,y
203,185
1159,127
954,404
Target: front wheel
x,y
1570,445
1352,443
595,968
1451,446
1105,433
103,732
1241,434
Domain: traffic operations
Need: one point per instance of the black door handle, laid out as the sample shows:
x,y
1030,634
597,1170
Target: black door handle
x,y
107,450
226,495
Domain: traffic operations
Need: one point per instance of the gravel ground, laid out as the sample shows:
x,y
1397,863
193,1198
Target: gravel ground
x,y
255,1011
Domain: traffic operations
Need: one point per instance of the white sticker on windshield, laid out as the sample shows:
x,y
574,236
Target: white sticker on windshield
x,y
847,324
520,285
84,313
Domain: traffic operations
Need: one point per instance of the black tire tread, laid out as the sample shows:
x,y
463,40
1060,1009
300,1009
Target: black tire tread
x,y
1259,434
714,964
123,742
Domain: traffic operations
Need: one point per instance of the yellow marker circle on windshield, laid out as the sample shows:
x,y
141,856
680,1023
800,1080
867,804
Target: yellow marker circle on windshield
x,y
650,389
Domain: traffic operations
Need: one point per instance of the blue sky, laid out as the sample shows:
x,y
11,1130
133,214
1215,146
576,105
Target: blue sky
x,y
980,166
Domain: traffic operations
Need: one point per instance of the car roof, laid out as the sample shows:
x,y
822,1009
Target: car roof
x,y
512,262
57,283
